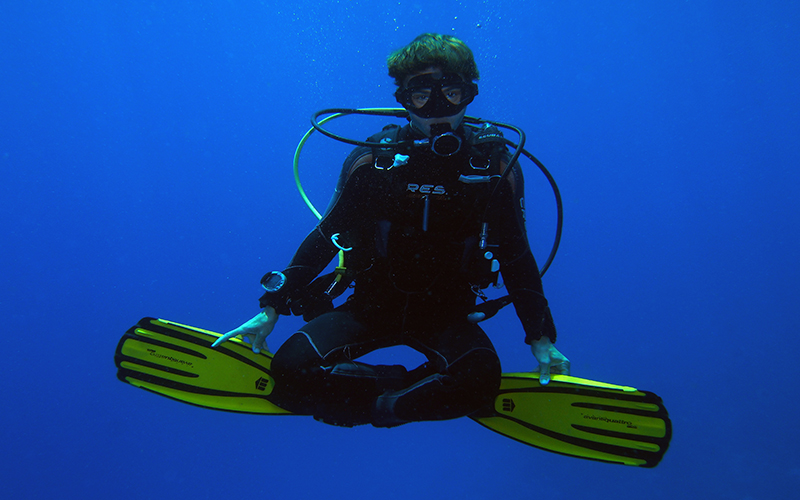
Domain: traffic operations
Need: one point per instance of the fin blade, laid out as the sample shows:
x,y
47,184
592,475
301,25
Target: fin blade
x,y
177,361
582,418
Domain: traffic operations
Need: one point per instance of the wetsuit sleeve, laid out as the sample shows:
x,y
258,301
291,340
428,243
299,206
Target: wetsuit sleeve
x,y
517,264
318,248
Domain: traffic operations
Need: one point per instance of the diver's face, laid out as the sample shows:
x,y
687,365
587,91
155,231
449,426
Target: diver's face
x,y
422,95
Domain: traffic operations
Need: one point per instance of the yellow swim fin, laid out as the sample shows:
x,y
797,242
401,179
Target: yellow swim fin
x,y
571,416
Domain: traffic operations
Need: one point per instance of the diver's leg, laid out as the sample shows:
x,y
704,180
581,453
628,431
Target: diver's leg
x,y
315,373
461,376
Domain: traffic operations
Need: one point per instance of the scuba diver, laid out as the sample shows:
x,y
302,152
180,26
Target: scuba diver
x,y
427,216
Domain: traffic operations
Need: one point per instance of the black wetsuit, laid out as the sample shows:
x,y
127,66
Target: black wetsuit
x,y
412,232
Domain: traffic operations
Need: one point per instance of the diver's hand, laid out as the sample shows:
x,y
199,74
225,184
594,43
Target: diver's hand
x,y
550,360
254,331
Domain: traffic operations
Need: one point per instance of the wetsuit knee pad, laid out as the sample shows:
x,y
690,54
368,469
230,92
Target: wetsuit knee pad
x,y
480,372
297,362
296,368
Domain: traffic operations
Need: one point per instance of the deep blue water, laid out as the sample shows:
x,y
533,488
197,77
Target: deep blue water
x,y
145,158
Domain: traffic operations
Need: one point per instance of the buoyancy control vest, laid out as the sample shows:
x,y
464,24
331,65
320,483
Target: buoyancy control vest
x,y
434,218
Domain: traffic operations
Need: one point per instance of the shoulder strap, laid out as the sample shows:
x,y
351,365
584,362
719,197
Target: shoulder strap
x,y
487,148
384,158
389,131
485,134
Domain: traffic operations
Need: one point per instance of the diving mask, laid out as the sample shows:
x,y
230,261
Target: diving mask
x,y
429,97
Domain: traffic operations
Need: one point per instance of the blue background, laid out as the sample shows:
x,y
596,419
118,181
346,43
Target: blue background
x,y
145,170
